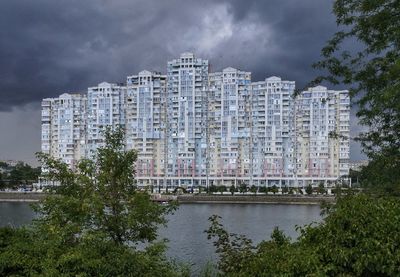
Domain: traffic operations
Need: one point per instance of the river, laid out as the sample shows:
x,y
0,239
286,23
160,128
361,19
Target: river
x,y
185,230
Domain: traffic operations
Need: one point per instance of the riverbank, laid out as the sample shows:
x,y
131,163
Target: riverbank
x,y
197,198
18,196
256,199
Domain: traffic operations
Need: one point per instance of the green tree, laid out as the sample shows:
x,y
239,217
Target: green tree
x,y
381,175
1,178
321,188
232,189
253,189
372,70
23,174
358,237
234,250
243,188
91,222
213,188
274,189
309,189
221,189
262,189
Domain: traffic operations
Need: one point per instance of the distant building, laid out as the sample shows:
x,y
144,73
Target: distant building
x,y
146,122
357,165
187,88
195,128
322,126
229,126
273,108
10,163
106,107
64,127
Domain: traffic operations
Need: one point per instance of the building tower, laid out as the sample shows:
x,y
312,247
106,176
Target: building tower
x,y
145,124
228,117
187,81
273,112
106,107
323,144
64,128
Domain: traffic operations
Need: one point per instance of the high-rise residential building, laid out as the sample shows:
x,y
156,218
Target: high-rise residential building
x,y
322,134
187,92
106,107
195,128
64,127
146,122
273,133
228,125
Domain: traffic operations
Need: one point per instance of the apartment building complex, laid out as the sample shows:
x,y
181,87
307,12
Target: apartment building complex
x,y
105,107
64,127
229,124
145,110
193,127
273,132
187,83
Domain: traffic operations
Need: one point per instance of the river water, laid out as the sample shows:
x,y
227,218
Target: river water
x,y
185,230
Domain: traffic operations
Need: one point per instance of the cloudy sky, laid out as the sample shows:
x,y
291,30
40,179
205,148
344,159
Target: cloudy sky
x,y
50,47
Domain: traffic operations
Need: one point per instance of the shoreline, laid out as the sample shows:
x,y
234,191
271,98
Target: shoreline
x,y
21,196
199,199
255,199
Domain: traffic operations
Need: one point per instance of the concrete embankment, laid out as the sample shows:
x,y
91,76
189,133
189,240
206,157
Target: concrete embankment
x,y
196,198
256,199
20,196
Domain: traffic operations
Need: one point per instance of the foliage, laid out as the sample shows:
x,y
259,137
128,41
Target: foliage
x,y
179,190
321,188
24,253
232,189
372,69
235,251
20,174
285,189
243,188
309,189
382,174
263,189
274,189
359,236
221,189
90,224
354,176
101,197
253,189
209,270
213,188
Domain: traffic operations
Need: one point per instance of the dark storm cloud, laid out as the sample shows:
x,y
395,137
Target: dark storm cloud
x,y
298,31
49,47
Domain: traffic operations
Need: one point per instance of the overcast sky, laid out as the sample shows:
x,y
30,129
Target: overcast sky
x,y
50,47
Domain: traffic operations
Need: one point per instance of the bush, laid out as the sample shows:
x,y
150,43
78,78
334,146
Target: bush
x,y
359,236
309,190
90,224
263,189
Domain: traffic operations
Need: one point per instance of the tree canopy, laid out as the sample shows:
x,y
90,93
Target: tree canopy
x,y
365,55
20,174
90,222
359,234
358,237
